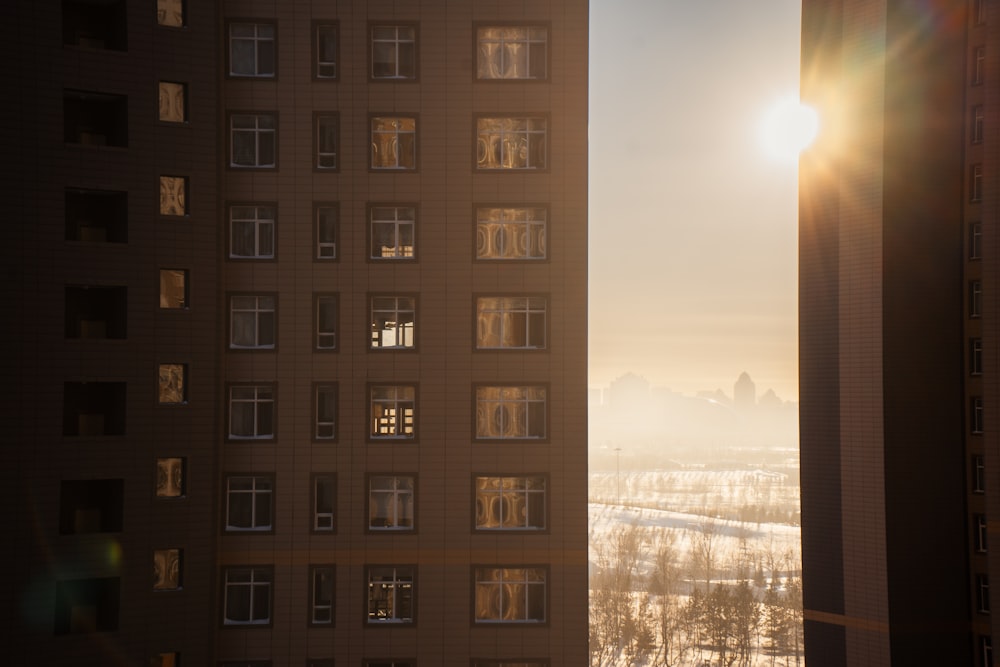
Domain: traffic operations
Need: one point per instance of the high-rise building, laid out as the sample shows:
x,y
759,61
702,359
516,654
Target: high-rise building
x,y
295,356
899,401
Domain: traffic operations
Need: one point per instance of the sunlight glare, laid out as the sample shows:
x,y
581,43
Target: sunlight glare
x,y
788,128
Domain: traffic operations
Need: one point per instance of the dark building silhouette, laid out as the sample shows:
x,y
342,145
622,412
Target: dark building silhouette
x,y
295,348
898,331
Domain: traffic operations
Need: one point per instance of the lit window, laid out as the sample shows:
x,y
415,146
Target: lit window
x,y
978,473
251,49
390,502
510,594
975,356
983,593
173,195
510,413
393,412
975,298
978,65
170,478
173,383
252,322
173,105
510,503
249,502
173,288
980,534
321,596
511,232
394,52
509,142
171,659
247,596
324,502
511,322
252,140
326,232
167,569
978,119
326,51
975,240
392,322
393,231
512,52
251,232
326,412
170,13
394,142
326,141
390,594
326,322
976,414
251,412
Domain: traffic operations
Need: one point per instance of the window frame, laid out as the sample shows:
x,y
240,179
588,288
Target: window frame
x,y
164,472
258,311
266,574
177,564
978,74
183,197
982,586
317,25
258,132
977,414
184,382
160,21
505,585
257,386
397,310
256,496
318,154
978,124
976,183
315,480
398,571
477,52
979,535
162,94
975,240
318,243
978,473
258,223
504,227
372,146
317,391
527,439
186,303
318,299
477,135
397,524
398,224
501,491
975,356
256,39
330,570
396,77
975,299
372,435
531,300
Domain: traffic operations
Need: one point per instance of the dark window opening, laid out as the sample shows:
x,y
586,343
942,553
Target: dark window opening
x,y
95,24
91,506
86,605
96,312
94,408
95,119
96,215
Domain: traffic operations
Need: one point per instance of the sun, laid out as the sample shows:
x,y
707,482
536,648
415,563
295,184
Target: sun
x,y
787,129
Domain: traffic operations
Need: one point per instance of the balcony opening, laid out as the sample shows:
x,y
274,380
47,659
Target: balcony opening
x,y
87,605
95,24
99,216
91,506
95,119
94,408
96,312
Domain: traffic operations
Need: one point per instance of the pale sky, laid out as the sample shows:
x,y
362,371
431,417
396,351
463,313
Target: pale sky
x,y
693,227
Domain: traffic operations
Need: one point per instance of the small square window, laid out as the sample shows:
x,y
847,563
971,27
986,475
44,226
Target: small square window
x,y
173,195
512,52
511,412
326,412
253,140
174,288
510,503
511,322
173,102
249,502
252,322
391,596
167,569
170,478
321,596
247,598
394,142
393,322
393,52
511,143
392,230
251,50
326,321
327,127
391,501
326,36
251,412
170,13
324,503
509,594
511,233
392,412
173,383
326,231
251,231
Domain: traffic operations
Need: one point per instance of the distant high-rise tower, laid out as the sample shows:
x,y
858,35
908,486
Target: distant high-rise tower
x,y
744,392
295,365
899,343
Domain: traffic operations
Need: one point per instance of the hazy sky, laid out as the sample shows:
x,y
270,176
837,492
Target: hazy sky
x,y
692,225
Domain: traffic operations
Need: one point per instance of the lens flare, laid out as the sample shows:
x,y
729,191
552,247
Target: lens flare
x,y
788,128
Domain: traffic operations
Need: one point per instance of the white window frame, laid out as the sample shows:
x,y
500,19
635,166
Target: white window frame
x,y
257,219
252,581
327,225
261,130
497,587
976,240
978,473
260,399
978,65
325,67
976,183
326,156
392,502
258,490
499,52
511,412
392,223
393,322
322,594
259,312
327,320
386,601
512,322
393,412
975,298
512,143
510,502
975,356
980,534
393,143
324,518
505,233
326,424
976,414
393,38
259,38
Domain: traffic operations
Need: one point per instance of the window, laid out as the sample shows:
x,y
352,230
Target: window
x,y
95,119
172,383
324,502
173,102
983,593
252,140
398,663
976,183
326,321
511,322
326,412
173,195
394,52
510,594
511,232
978,474
326,140
392,232
170,13
393,412
391,502
324,662
510,503
251,412
321,595
978,65
510,142
975,240
167,569
986,651
510,413
252,322
390,594
979,12
170,478
94,311
512,52
174,288
251,49
95,25
172,659
96,216
975,298
251,232
325,49
516,662
393,319
980,534
91,506
976,414
394,142
87,605
247,596
977,124
975,356
94,408
326,231
249,502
